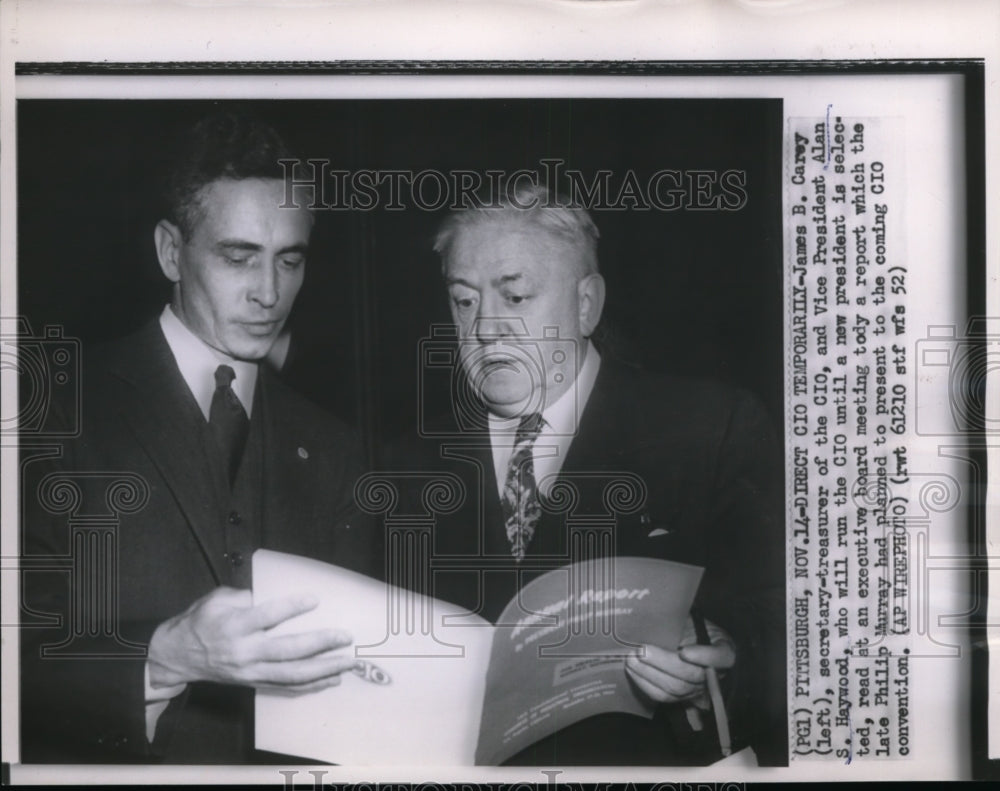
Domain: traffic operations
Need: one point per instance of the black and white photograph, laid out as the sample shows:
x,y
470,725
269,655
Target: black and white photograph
x,y
444,304
496,420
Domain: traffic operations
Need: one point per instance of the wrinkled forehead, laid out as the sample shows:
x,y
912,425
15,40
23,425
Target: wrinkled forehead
x,y
250,202
500,248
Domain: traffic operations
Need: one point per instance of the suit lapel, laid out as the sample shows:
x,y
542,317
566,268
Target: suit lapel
x,y
162,413
471,530
296,514
604,446
275,470
613,437
466,531
601,431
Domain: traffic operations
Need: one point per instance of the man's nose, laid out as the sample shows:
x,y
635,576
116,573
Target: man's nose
x,y
491,328
265,289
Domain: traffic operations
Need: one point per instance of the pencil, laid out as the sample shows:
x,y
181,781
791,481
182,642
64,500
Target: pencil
x,y
714,690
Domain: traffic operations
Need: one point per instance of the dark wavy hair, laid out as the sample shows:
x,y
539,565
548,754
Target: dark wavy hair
x,y
225,145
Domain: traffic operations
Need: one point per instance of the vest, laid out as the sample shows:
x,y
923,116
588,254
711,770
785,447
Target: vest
x,y
228,709
240,509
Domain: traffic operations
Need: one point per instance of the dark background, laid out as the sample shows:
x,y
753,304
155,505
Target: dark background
x,y
691,292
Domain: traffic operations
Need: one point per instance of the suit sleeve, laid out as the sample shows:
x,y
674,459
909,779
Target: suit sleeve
x,y
82,672
744,590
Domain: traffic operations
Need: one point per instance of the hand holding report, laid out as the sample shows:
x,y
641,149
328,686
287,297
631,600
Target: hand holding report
x,y
223,638
435,684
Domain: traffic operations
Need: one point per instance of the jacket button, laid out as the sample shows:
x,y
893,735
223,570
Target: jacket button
x,y
235,518
236,558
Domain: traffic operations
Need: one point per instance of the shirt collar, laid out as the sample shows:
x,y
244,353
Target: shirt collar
x,y
562,417
197,362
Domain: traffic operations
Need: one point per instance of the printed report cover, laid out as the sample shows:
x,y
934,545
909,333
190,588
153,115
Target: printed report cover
x,y
437,685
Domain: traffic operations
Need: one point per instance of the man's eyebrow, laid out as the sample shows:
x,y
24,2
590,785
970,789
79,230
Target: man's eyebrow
x,y
505,279
300,248
237,244
495,282
241,245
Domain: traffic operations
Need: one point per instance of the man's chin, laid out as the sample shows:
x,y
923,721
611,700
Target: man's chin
x,y
508,404
252,349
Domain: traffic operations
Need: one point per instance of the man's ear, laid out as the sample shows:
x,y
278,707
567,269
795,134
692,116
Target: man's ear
x,y
590,293
168,240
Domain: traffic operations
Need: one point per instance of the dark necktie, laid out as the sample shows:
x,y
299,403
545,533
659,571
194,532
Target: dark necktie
x,y
228,421
519,502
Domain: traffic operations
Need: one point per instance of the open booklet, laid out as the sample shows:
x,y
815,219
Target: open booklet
x,y
437,685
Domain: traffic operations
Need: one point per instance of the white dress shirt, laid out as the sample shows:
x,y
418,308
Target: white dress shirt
x,y
197,362
560,426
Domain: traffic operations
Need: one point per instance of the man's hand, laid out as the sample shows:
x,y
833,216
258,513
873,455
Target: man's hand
x,y
222,637
678,676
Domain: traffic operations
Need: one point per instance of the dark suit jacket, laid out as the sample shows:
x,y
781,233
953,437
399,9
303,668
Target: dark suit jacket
x,y
140,423
712,472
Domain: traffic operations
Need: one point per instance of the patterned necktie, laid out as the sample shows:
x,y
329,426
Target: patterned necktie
x,y
228,420
521,508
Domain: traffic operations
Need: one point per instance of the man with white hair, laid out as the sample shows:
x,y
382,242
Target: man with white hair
x,y
549,408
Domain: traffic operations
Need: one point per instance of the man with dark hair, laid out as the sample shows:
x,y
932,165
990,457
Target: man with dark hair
x,y
221,146
551,414
221,459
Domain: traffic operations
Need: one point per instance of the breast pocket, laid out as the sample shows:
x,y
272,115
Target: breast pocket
x,y
647,534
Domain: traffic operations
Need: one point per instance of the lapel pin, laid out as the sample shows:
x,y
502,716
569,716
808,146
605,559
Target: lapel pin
x,y
303,453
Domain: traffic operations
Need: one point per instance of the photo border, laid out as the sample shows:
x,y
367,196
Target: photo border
x,y
972,70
